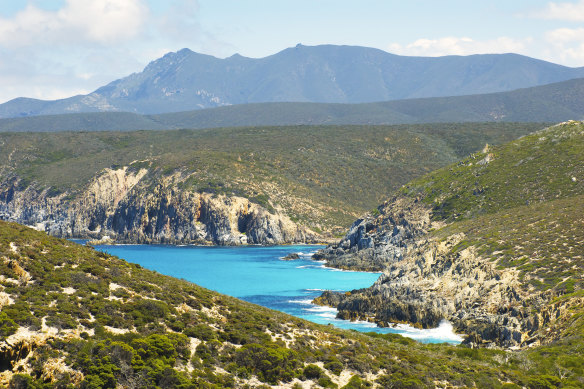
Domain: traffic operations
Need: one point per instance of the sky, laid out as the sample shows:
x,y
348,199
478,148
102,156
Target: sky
x,y
53,49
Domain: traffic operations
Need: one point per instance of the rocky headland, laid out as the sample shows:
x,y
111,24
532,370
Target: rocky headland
x,y
467,245
125,205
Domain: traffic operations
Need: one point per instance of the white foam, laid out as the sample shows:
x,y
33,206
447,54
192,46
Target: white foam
x,y
444,332
301,301
320,308
307,254
328,315
310,267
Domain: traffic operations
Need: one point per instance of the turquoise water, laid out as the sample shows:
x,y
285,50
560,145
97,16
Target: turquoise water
x,y
258,275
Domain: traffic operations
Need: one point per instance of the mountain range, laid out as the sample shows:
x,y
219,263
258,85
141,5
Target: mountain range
x,y
185,80
548,103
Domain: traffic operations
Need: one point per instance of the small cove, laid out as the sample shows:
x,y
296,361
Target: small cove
x,y
258,275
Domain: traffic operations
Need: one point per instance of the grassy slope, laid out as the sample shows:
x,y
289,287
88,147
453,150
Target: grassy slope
x,y
323,176
74,308
523,209
94,121
553,103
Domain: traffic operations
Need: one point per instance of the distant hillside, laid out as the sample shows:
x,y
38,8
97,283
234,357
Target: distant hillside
x,y
548,103
225,186
93,121
186,80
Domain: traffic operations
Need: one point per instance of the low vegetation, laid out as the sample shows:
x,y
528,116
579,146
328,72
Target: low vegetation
x,y
520,204
321,176
82,318
547,103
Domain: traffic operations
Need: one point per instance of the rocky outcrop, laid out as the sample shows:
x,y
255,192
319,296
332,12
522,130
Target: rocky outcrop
x,y
124,206
374,242
427,278
432,282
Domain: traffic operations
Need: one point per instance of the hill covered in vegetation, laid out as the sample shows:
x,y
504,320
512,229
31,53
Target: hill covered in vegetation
x,y
224,186
493,243
74,317
551,103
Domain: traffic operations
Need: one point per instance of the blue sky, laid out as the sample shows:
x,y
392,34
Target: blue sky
x,y
57,48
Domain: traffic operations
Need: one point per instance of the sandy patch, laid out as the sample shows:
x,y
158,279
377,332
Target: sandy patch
x,y
117,331
5,299
69,290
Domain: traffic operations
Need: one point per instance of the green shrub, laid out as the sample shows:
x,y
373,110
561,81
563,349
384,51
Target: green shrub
x,y
271,363
357,383
334,366
200,331
312,372
543,382
22,381
7,325
326,382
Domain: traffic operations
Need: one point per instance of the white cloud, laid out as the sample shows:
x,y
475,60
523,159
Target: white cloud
x,y
565,35
563,11
567,44
459,46
563,44
94,21
180,20
85,44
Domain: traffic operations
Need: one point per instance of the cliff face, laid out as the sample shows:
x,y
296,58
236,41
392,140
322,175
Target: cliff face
x,y
123,206
423,282
373,242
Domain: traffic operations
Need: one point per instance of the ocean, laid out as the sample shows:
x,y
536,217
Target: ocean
x,y
258,274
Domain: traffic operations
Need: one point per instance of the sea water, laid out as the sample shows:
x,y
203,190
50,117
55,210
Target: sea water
x,y
259,275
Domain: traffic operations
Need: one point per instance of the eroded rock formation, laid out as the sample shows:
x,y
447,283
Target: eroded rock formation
x,y
121,205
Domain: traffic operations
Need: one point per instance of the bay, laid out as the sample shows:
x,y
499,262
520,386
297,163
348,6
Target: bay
x,y
259,275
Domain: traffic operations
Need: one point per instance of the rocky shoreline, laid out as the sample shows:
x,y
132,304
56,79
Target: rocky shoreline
x,y
425,281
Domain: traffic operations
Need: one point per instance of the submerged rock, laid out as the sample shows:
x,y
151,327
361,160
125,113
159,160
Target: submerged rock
x,y
291,257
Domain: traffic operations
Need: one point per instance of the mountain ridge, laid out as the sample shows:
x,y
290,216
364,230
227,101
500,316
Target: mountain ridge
x,y
186,80
549,103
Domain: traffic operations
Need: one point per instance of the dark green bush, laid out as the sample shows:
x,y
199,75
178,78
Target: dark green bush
x,y
335,367
7,325
312,372
200,331
357,383
271,363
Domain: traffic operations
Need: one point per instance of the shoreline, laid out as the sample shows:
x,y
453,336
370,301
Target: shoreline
x,y
443,332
